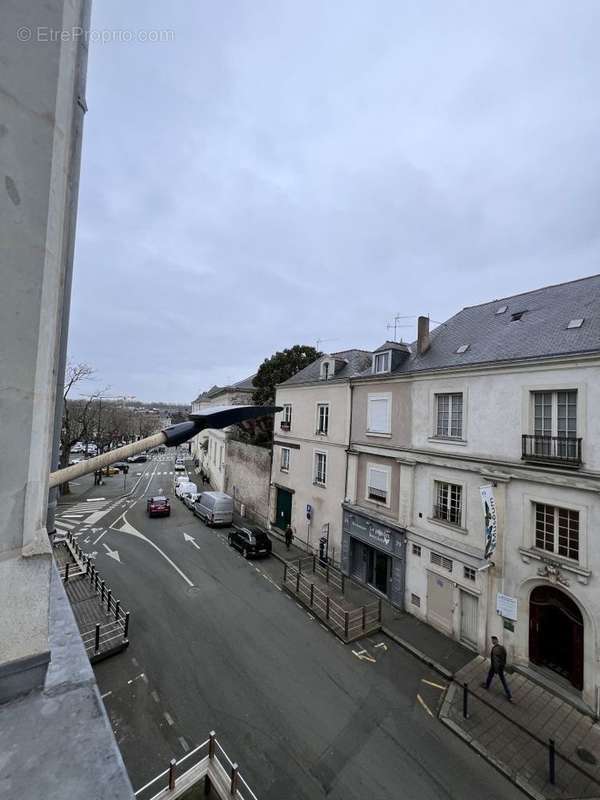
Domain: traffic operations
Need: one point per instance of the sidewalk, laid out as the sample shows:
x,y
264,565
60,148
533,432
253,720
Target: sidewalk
x,y
514,736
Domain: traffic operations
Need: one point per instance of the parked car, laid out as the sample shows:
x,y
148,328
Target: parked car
x,y
214,508
178,480
122,466
158,507
137,459
251,542
190,498
185,486
179,466
112,470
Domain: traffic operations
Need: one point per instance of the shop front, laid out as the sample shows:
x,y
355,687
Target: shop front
x,y
374,553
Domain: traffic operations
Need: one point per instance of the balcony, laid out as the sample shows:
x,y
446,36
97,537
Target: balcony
x,y
285,425
562,451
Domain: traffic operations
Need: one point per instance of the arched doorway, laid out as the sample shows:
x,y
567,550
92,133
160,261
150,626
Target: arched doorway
x,y
556,633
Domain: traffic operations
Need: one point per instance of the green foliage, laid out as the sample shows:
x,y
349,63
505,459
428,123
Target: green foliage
x,y
279,368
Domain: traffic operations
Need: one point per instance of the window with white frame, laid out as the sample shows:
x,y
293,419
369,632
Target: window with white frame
x,y
381,362
448,502
378,483
285,459
379,413
323,418
555,413
557,530
320,468
469,573
449,415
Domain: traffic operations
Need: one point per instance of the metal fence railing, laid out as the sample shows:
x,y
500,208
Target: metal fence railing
x,y
83,583
349,623
212,765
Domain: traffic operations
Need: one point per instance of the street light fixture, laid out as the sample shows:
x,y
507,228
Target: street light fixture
x,y
215,417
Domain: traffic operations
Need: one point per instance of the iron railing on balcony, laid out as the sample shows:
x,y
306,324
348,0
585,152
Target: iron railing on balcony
x,y
559,450
285,424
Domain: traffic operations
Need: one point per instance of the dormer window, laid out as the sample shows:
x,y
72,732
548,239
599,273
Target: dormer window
x,y
325,370
381,363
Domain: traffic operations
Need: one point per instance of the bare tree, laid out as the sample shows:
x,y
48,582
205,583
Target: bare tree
x,y
76,414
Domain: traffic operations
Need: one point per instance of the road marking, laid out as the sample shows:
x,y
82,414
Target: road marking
x,y
184,744
112,553
101,535
134,661
191,539
425,706
300,605
257,569
431,683
310,616
144,677
72,516
362,655
68,526
155,697
325,628
127,528
106,694
169,718
95,499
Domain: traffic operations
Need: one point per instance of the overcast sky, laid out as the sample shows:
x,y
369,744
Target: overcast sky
x,y
282,172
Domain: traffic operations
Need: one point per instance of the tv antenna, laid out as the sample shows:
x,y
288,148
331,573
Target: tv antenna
x,y
395,324
320,342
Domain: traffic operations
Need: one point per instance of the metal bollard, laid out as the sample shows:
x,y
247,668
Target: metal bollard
x,y
364,617
234,779
211,744
126,631
312,593
108,599
327,607
465,700
297,582
284,573
172,765
117,609
551,761
102,592
97,640
95,580
346,624
67,572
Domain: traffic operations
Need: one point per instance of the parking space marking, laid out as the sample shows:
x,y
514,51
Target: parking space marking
x,y
106,694
431,683
425,706
155,697
169,718
184,744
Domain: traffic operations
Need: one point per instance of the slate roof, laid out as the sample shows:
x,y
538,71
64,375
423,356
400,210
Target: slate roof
x,y
541,332
358,362
244,385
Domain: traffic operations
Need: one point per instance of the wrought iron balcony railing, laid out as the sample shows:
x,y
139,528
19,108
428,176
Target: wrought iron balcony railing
x,y
285,425
559,450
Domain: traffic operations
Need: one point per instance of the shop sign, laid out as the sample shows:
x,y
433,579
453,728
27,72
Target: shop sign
x,y
490,519
506,606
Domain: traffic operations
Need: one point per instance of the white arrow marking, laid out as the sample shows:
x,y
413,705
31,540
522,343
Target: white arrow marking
x,y
127,528
112,553
87,540
191,539
364,656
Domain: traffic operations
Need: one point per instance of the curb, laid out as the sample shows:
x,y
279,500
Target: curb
x,y
445,673
522,784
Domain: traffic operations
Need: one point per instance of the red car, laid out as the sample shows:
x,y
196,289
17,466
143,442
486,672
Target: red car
x,y
158,507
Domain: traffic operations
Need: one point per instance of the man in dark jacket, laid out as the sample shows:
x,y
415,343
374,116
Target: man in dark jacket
x,y
497,665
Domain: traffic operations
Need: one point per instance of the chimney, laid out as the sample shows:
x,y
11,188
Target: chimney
x,y
422,335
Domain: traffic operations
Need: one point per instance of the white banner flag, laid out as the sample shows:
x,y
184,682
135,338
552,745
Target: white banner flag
x,y
490,519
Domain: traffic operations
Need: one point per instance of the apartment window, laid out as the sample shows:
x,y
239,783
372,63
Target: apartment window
x,y
379,413
557,530
381,363
555,413
286,420
448,502
323,418
378,480
320,473
416,550
285,459
469,573
449,415
441,561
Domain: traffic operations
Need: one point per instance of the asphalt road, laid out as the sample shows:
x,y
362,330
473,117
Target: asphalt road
x,y
215,644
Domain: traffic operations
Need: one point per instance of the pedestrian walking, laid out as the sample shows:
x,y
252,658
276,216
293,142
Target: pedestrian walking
x,y
497,666
289,535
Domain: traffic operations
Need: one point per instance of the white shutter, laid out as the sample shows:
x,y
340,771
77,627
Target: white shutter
x,y
378,479
378,415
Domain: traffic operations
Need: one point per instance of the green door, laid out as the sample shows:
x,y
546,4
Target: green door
x,y
284,509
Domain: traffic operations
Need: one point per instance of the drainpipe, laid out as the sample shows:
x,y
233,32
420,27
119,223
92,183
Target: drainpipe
x,y
79,109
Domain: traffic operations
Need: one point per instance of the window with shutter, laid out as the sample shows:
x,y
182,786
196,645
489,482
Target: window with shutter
x,y
379,414
377,484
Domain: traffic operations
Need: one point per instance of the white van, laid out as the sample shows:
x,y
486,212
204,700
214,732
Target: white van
x,y
185,488
214,508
